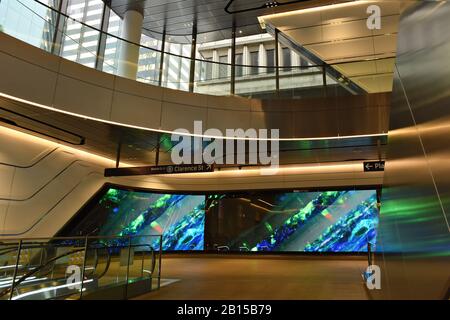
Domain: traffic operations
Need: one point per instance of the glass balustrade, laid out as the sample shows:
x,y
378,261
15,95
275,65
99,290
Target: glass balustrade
x,y
170,65
80,267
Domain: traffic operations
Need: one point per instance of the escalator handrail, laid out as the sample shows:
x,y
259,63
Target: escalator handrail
x,y
152,255
30,273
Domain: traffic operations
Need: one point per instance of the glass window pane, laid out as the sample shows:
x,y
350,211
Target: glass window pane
x,y
112,46
223,68
149,60
29,21
270,60
287,59
254,62
80,42
239,69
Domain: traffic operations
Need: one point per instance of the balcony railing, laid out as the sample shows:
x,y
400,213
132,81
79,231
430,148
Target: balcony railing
x,y
53,31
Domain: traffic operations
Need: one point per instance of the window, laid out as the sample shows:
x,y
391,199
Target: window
x,y
30,21
270,60
254,62
238,61
287,59
80,42
207,69
223,68
150,59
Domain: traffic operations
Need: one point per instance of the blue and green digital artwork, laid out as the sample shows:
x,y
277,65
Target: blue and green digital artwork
x,y
179,218
327,221
316,221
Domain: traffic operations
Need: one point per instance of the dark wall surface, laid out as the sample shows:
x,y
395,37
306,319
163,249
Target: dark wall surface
x,y
414,218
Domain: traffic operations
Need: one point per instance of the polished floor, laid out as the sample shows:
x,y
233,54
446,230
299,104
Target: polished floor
x,y
262,277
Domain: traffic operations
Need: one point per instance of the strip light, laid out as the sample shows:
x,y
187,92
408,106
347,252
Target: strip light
x,y
50,288
313,9
8,283
10,266
187,134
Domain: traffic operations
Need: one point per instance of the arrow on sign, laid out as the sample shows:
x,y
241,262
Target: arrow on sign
x,y
373,166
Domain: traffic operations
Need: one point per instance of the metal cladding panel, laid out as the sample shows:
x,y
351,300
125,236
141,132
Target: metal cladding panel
x,y
414,233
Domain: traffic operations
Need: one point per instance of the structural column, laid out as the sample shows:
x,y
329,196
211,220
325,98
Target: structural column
x,y
278,55
262,58
246,60
193,53
129,52
232,58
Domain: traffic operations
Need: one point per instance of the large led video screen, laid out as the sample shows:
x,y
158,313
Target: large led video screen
x,y
325,221
179,218
274,221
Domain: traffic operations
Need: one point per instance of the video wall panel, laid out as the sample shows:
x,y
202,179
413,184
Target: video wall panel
x,y
325,221
121,212
278,221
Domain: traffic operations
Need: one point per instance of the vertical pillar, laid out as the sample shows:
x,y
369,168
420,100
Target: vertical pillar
x,y
102,39
161,58
58,28
277,63
246,60
129,51
233,58
157,148
119,150
229,59
324,79
215,66
262,58
193,52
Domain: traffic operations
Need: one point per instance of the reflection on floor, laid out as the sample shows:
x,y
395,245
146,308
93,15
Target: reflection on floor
x,y
166,282
262,277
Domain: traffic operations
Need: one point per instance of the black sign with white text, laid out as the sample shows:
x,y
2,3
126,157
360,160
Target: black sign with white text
x,y
169,169
373,166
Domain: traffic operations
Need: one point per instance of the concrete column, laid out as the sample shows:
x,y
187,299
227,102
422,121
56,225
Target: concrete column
x,y
262,58
215,66
245,60
129,53
229,61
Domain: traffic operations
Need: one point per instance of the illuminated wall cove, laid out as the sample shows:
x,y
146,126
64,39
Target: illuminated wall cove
x,y
322,221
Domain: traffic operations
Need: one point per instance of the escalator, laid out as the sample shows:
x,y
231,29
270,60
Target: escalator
x,y
329,71
78,268
355,54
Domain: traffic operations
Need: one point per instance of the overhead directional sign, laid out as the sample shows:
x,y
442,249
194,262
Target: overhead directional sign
x,y
373,166
169,169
